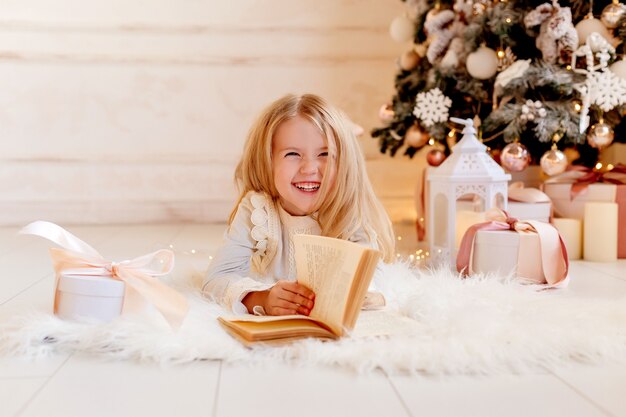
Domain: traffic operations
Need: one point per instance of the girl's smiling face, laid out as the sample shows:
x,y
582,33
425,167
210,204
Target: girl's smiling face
x,y
299,157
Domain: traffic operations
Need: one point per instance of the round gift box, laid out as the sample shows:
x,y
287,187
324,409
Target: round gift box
x,y
89,297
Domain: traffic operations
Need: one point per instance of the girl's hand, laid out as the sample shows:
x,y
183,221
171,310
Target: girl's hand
x,y
287,297
283,298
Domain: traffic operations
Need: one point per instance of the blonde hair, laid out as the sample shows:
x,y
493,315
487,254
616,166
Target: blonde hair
x,y
349,204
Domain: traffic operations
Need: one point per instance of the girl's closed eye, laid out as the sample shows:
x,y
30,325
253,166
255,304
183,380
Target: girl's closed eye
x,y
324,154
292,154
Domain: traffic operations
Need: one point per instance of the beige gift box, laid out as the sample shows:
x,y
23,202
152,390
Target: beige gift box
x,y
498,252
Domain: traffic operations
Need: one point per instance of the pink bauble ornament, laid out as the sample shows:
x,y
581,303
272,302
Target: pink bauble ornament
x,y
435,157
402,29
515,157
600,135
612,13
482,64
415,137
553,162
386,113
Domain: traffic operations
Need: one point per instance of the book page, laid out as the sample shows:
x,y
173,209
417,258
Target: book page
x,y
277,331
327,266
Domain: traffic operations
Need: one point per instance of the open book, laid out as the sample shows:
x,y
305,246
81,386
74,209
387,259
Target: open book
x,y
338,271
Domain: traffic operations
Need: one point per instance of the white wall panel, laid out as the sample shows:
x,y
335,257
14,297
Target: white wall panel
x,y
131,111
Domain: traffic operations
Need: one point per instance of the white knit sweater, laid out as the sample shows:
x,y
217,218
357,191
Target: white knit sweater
x,y
258,251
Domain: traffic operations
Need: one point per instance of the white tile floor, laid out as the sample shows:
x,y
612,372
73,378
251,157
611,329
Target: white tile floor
x,y
77,385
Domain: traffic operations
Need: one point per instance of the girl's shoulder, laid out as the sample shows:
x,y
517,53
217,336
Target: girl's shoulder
x,y
257,199
258,210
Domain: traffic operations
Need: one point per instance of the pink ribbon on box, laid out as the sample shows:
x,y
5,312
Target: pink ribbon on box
x,y
139,273
582,177
554,258
517,192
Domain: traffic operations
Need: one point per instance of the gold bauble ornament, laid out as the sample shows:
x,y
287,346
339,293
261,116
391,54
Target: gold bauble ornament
x,y
612,14
553,162
479,9
415,137
571,154
409,60
587,26
420,49
600,135
515,157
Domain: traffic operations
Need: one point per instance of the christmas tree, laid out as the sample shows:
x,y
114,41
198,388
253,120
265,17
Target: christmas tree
x,y
542,80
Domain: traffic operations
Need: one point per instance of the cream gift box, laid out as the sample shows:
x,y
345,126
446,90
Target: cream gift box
x,y
88,285
574,208
530,211
531,250
528,203
498,252
89,297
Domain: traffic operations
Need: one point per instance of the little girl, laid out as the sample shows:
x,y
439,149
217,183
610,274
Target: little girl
x,y
302,172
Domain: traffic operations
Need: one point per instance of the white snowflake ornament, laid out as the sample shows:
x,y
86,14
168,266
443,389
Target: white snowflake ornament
x,y
601,86
432,107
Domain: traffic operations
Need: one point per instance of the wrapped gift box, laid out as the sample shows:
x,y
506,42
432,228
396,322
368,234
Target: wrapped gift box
x,y
89,297
90,286
530,211
565,206
498,252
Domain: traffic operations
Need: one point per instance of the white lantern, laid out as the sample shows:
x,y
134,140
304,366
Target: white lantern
x,y
468,183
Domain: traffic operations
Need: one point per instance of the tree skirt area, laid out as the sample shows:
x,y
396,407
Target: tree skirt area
x,y
434,322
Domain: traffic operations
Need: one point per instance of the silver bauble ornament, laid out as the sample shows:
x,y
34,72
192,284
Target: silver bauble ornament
x,y
386,113
482,64
553,162
402,29
612,14
515,157
600,135
619,68
415,137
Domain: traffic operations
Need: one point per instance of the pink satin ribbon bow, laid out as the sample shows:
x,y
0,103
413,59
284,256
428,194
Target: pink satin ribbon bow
x,y
554,258
582,177
139,274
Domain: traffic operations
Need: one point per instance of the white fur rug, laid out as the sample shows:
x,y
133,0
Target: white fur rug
x,y
436,323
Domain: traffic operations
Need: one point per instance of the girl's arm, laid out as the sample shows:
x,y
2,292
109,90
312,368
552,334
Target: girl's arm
x,y
228,279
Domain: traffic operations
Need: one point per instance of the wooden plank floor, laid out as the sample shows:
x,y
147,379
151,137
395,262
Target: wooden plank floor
x,y
78,385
